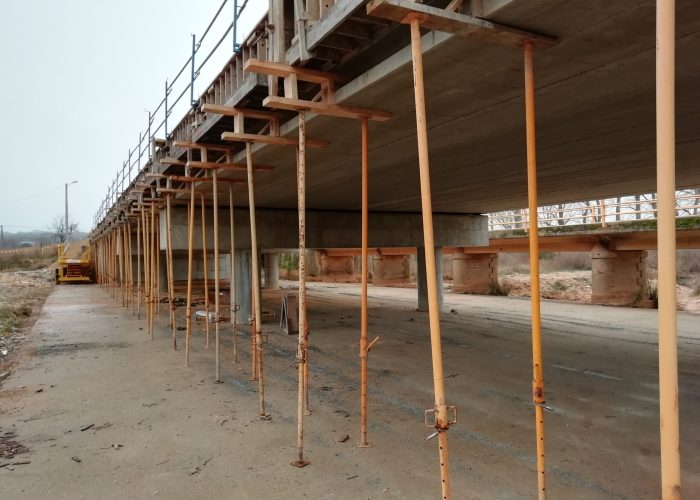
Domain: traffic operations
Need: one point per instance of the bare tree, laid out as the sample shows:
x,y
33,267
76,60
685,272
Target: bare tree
x,y
57,228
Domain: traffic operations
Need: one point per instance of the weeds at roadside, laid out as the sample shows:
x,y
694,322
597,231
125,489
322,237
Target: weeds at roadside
x,y
497,289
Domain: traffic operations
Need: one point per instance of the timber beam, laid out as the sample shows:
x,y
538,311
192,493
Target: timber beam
x,y
474,28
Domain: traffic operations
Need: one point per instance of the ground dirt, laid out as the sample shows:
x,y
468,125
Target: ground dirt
x,y
105,412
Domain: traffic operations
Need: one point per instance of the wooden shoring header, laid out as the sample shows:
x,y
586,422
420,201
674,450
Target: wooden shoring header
x,y
323,108
285,70
271,139
210,165
433,18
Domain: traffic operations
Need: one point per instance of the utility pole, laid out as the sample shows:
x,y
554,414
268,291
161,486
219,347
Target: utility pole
x,y
67,227
2,236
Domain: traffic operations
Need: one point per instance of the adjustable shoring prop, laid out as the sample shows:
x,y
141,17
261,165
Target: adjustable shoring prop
x,y
156,269
152,269
364,348
120,261
537,377
190,243
217,312
206,269
138,266
666,187
146,261
303,334
232,286
129,265
171,279
442,422
257,316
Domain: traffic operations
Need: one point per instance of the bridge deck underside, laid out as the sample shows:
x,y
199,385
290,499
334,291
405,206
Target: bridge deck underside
x,y
595,114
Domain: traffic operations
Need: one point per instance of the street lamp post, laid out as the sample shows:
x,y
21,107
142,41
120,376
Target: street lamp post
x,y
67,227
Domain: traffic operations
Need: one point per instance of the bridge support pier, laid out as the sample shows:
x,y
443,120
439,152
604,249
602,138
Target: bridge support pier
x,y
271,262
337,268
474,273
619,278
422,280
391,270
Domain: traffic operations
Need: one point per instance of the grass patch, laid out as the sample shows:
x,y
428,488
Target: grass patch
x,y
29,260
499,290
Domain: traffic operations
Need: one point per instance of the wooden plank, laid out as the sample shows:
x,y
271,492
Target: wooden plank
x,y
171,161
269,139
284,70
202,145
219,109
325,109
183,178
459,24
226,166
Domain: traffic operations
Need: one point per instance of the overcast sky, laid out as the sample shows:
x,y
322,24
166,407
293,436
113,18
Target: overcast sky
x,y
77,79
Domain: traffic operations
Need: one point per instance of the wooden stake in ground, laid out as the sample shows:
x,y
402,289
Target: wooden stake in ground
x,y
442,421
302,335
537,378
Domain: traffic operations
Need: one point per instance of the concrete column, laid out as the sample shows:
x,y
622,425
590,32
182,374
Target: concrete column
x,y
618,278
391,270
272,271
337,269
244,286
422,280
474,273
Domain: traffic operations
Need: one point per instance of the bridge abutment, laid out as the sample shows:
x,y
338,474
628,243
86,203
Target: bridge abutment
x,y
618,278
474,273
391,270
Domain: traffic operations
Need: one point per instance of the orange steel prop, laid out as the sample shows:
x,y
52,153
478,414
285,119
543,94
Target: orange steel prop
x,y
302,336
666,186
257,321
206,270
215,185
442,422
537,380
232,286
364,351
190,243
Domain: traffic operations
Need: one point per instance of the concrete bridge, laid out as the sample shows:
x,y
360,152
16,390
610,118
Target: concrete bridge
x,y
307,139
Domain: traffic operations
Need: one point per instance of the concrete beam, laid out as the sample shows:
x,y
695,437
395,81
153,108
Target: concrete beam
x,y
331,229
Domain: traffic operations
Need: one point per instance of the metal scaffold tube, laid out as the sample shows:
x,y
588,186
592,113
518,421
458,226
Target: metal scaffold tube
x,y
537,378
442,421
666,186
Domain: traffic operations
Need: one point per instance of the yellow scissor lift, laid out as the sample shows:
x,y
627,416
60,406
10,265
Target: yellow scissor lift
x,y
73,263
